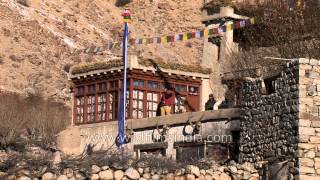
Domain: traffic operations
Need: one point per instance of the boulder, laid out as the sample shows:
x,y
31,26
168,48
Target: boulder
x,y
146,170
191,169
246,175
118,174
62,177
79,176
94,177
140,170
132,173
105,167
190,177
224,176
24,178
203,172
49,176
208,177
106,175
56,158
146,175
170,176
233,169
216,176
95,169
155,177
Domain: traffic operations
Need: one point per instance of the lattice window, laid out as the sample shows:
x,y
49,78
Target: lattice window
x,y
152,103
91,101
80,109
137,105
102,107
113,95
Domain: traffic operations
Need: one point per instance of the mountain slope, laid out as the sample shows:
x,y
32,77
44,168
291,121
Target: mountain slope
x,y
37,39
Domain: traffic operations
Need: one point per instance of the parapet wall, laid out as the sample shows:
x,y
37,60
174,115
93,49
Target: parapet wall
x,y
215,127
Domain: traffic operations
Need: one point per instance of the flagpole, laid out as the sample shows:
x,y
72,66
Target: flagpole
x,y
122,107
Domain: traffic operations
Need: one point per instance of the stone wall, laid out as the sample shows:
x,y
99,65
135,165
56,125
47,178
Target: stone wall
x,y
268,126
284,125
309,123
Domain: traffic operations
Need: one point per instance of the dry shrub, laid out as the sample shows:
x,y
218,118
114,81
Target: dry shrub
x,y
279,32
122,2
1,59
16,58
18,113
67,67
24,2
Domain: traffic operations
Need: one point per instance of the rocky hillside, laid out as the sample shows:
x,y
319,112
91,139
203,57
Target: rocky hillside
x,y
38,36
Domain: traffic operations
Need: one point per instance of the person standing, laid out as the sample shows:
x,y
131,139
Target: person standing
x,y
210,103
166,102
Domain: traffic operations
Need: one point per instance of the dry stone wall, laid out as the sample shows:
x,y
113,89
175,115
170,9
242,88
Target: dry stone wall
x,y
309,122
269,121
284,125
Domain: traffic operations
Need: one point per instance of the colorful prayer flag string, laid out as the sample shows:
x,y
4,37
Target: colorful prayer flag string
x,y
171,38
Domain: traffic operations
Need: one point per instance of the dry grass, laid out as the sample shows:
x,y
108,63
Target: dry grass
x,y
146,62
18,113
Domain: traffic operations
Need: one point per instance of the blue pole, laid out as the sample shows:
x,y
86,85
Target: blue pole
x,y
122,107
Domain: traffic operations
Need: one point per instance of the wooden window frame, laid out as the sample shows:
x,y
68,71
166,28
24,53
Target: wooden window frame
x,y
116,90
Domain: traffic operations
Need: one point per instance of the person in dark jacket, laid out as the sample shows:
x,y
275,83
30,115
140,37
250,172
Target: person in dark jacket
x,y
210,103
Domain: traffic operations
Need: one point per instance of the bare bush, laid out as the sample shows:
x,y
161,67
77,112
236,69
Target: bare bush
x,y
67,67
18,113
1,59
122,2
16,58
24,2
280,31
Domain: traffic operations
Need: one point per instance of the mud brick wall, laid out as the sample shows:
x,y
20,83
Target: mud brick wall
x,y
269,122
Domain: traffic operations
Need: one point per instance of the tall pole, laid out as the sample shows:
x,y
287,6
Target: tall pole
x,y
122,107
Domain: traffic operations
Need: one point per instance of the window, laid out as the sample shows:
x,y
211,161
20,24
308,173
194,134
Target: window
x,y
270,85
102,87
102,107
91,108
153,85
91,89
80,91
152,104
181,88
138,83
113,103
193,90
113,84
80,109
137,104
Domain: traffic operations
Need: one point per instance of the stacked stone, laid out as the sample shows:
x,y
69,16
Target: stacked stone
x,y
309,122
269,121
231,171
